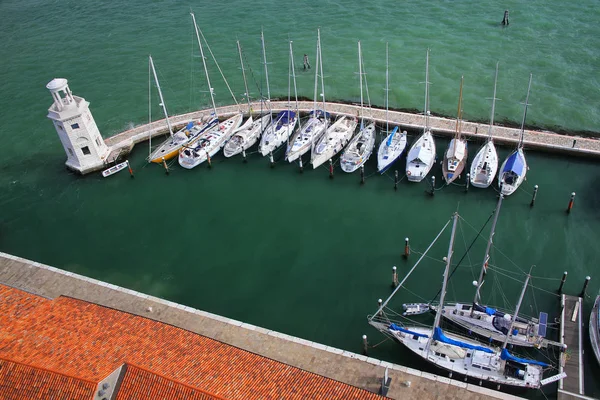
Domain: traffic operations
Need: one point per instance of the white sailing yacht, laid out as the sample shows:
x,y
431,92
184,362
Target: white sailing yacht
x,y
514,168
421,155
210,142
170,147
318,119
485,164
392,147
458,354
491,323
245,136
455,158
361,146
284,124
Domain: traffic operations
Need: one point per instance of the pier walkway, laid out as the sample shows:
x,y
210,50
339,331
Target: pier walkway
x,y
123,142
571,334
343,366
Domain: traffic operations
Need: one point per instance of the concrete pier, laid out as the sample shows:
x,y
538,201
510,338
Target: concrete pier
x,y
344,366
123,142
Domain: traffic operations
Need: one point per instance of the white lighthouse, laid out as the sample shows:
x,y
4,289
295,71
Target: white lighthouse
x,y
76,128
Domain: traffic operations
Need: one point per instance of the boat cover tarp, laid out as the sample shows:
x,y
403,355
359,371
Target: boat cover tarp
x,y
420,153
395,327
391,137
319,113
505,355
440,337
515,163
457,149
285,117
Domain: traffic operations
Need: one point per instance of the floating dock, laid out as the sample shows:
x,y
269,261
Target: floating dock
x,y
122,143
347,367
571,334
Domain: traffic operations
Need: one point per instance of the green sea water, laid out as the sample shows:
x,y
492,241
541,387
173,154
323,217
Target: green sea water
x,y
298,253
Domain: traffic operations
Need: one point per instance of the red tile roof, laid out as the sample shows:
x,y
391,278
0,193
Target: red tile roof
x,y
19,381
90,341
142,384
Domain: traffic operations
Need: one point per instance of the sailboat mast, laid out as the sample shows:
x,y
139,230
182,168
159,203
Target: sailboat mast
x,y
317,68
459,112
294,77
162,101
149,105
262,39
438,314
244,75
361,88
210,89
514,318
493,102
387,88
426,92
486,257
321,73
525,113
291,61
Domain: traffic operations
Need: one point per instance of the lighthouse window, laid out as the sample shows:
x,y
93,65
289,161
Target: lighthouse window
x,y
98,142
75,126
86,150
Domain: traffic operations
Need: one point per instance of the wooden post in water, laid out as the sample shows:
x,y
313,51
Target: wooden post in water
x,y
535,190
244,155
362,174
406,248
365,344
571,203
505,19
164,163
208,160
271,160
130,170
585,285
562,282
396,180
330,168
432,185
300,164
468,181
379,303
394,276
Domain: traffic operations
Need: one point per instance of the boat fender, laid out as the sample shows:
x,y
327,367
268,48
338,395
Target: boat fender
x,y
222,127
408,173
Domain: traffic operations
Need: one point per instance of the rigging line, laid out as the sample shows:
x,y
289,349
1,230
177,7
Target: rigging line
x,y
466,252
218,67
414,266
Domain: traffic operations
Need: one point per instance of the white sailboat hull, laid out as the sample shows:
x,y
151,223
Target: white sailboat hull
x,y
302,141
333,141
359,150
484,166
525,332
513,172
472,363
243,139
389,153
170,147
209,143
421,158
276,134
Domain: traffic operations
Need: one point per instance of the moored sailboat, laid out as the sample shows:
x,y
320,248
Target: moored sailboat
x,y
392,147
485,164
318,119
211,141
422,153
333,141
458,354
170,147
455,157
514,168
361,146
284,124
